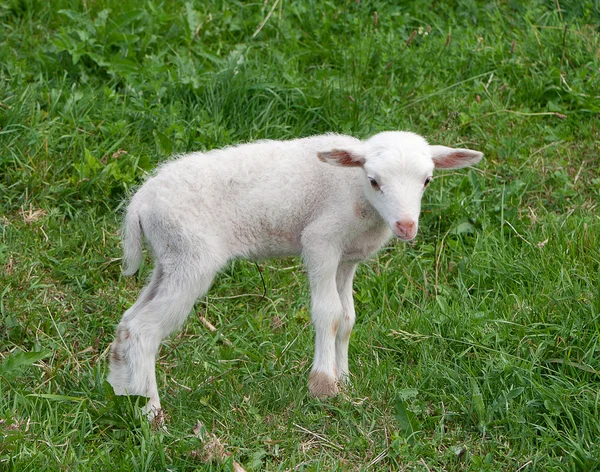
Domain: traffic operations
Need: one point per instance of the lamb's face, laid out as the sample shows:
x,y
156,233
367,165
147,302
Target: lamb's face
x,y
398,167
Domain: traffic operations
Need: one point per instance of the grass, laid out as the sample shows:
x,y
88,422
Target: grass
x,y
476,347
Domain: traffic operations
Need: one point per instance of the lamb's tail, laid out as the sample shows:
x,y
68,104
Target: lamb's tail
x,y
132,241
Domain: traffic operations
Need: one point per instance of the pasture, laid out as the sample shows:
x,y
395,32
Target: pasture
x,y
476,346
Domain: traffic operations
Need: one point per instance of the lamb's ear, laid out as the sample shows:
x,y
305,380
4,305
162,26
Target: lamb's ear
x,y
343,157
450,158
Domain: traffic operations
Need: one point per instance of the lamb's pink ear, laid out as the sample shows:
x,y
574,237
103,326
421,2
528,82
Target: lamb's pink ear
x,y
450,158
343,157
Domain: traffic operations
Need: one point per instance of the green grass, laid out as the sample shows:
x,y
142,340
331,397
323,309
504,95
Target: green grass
x,y
476,348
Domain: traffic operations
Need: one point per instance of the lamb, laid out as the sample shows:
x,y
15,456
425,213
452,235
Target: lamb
x,y
333,199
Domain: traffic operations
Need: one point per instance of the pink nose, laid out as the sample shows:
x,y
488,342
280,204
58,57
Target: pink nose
x,y
406,229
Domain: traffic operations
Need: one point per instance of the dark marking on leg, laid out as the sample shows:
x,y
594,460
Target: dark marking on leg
x,y
116,356
156,280
123,334
335,326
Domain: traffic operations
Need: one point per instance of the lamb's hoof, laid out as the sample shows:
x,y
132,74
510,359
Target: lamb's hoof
x,y
321,385
344,379
152,409
158,420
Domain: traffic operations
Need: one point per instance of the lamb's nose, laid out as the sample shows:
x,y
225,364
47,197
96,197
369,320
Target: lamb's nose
x,y
406,229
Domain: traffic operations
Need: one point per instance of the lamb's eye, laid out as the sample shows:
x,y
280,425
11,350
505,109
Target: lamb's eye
x,y
374,183
427,181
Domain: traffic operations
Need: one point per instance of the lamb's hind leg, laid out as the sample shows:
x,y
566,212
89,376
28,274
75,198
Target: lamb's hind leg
x,y
161,308
119,375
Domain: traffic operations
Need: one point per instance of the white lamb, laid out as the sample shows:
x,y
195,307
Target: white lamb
x,y
332,199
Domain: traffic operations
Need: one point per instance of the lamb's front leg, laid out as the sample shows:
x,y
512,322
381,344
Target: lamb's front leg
x,y
345,276
326,316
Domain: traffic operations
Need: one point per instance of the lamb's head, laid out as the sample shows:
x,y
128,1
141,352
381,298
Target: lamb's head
x,y
397,167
